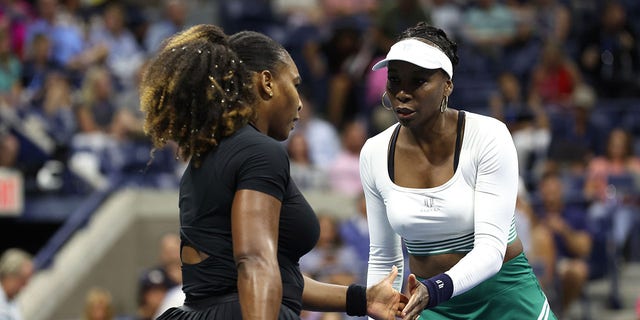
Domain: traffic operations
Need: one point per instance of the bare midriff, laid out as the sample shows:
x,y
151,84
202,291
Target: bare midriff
x,y
429,266
191,255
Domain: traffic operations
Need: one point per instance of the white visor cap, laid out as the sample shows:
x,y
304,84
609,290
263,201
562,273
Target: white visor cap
x,y
419,53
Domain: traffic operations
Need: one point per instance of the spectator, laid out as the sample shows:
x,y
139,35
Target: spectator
x,y
171,267
488,26
552,21
300,13
152,289
53,107
576,138
356,12
611,188
527,122
568,227
95,114
173,19
16,268
341,51
38,64
507,103
354,231
304,172
66,36
98,305
10,71
521,52
105,127
322,136
111,42
395,16
9,148
609,54
553,79
524,14
347,50
446,15
170,258
16,15
344,172
306,28
96,105
330,260
129,98
173,298
239,15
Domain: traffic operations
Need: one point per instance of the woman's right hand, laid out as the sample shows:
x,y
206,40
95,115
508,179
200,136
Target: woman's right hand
x,y
419,298
383,301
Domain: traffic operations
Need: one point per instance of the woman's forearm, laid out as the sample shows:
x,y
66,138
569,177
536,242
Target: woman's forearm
x,y
259,288
318,296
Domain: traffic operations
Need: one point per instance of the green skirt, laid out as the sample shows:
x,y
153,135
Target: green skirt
x,y
512,293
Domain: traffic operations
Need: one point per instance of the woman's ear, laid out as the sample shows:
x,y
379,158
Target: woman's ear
x,y
265,85
448,88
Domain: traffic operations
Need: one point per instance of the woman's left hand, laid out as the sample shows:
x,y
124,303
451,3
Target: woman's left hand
x,y
419,297
383,301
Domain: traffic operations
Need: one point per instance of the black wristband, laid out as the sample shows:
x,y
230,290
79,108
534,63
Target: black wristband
x,y
440,289
356,300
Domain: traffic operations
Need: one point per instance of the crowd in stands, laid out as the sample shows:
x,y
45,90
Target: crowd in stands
x,y
564,75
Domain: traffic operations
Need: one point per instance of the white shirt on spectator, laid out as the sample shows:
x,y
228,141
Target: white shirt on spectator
x,y
8,308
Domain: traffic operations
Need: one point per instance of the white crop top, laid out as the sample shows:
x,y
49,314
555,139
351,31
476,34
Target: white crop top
x,y
471,213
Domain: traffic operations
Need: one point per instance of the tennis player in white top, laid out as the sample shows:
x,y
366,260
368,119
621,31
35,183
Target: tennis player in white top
x,y
445,182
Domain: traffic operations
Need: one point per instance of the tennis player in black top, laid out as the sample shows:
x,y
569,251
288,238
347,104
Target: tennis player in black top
x,y
226,101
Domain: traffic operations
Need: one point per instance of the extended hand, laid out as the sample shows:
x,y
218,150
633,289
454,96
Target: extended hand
x,y
383,301
418,300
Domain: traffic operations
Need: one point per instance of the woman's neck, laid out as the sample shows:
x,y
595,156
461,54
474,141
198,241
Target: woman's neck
x,y
260,126
434,131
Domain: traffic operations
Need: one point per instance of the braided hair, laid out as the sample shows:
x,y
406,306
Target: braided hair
x,y
195,92
258,51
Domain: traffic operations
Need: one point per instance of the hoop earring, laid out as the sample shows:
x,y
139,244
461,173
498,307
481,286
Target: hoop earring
x,y
385,98
444,104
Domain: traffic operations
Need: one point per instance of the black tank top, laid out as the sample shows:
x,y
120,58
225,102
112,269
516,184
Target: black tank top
x,y
394,139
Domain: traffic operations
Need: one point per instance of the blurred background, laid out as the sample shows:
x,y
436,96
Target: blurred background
x,y
95,210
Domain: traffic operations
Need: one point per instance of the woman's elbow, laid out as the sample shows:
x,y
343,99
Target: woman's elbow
x,y
256,263
495,264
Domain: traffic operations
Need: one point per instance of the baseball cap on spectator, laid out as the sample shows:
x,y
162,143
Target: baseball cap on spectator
x,y
154,278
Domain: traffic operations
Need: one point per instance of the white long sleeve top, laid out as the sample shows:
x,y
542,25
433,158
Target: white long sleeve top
x,y
472,213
